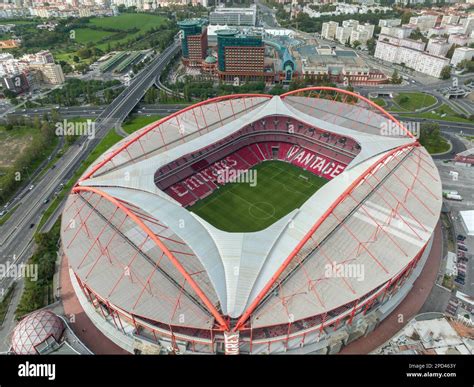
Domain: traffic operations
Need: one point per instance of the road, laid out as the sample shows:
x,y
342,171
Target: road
x,y
460,105
95,111
16,240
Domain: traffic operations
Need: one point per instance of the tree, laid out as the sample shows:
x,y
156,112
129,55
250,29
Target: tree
x,y
84,53
396,79
371,43
9,94
446,72
150,96
450,52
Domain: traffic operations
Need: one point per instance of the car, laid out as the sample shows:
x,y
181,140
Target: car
x,y
460,237
45,201
6,205
32,225
2,213
463,248
31,187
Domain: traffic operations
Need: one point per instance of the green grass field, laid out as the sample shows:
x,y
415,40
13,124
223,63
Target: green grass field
x,y
238,207
412,101
379,101
442,113
88,35
137,122
126,21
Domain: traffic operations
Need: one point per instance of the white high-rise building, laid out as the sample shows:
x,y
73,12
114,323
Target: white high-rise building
x,y
362,33
390,22
398,32
449,19
390,50
328,30
234,16
424,22
438,46
462,53
459,39
468,25
343,34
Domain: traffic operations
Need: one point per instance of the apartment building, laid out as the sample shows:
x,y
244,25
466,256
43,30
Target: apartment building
x,y
459,39
362,33
438,46
343,34
403,52
450,19
462,53
390,22
328,30
423,22
398,32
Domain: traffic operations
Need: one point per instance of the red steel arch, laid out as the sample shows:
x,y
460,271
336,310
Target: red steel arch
x,y
163,120
222,322
242,320
338,200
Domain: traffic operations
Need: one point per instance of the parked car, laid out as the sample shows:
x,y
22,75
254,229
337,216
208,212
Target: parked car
x,y
461,237
463,248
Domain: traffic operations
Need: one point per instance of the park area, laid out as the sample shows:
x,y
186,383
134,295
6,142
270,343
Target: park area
x,y
410,102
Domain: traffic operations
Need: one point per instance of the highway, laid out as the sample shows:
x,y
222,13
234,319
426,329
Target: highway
x,y
16,234
95,111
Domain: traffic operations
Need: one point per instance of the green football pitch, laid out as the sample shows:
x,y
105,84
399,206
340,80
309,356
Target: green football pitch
x,y
238,207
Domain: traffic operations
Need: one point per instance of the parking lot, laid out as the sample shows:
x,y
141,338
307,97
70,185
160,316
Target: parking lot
x,y
463,185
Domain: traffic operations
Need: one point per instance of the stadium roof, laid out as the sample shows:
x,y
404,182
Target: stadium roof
x,y
381,224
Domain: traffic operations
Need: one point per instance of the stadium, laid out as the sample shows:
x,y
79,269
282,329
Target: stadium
x,y
252,224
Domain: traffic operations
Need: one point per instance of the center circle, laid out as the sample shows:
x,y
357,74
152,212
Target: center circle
x,y
261,210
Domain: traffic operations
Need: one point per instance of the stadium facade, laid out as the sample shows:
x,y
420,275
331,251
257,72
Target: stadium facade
x,y
154,277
